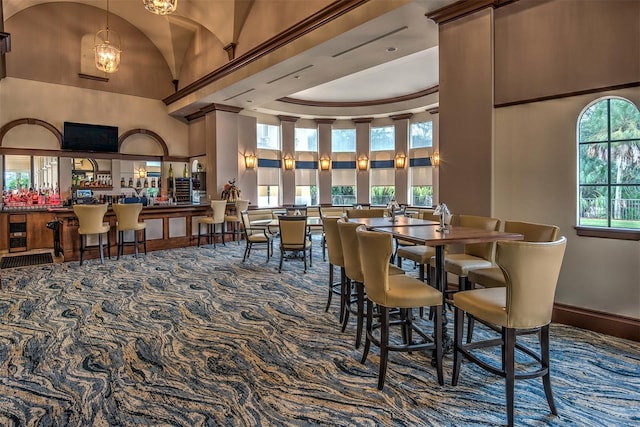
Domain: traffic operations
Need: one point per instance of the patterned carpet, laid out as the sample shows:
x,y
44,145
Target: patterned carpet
x,y
195,337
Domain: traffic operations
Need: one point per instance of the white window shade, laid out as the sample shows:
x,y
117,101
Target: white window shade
x,y
382,177
306,177
421,176
343,177
268,176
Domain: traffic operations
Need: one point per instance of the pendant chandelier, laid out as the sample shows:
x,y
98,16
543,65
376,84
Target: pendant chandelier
x,y
107,52
161,7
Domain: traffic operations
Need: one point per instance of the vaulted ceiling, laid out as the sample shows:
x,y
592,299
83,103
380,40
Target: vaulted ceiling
x,y
388,65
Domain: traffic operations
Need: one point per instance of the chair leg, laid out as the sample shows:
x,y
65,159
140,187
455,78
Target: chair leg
x,y
109,244
509,339
100,245
330,287
546,378
119,244
199,233
367,339
135,242
360,315
384,345
144,236
457,345
437,332
281,259
343,281
82,245
246,252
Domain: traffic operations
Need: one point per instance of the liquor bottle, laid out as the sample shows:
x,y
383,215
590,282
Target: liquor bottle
x,y
170,171
122,182
146,183
130,182
185,172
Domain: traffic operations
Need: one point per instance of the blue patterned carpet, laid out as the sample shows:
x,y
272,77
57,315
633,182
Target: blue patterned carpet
x,y
195,337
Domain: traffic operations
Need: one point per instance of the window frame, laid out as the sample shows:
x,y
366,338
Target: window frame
x,y
607,231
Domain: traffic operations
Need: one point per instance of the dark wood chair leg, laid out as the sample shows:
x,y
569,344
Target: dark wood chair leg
x,y
509,337
384,345
101,246
457,345
546,378
361,314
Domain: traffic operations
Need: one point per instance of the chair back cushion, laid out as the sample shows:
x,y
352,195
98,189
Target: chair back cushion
x,y
351,250
375,250
293,232
332,237
365,213
481,250
127,215
430,216
218,207
531,271
241,205
533,232
90,218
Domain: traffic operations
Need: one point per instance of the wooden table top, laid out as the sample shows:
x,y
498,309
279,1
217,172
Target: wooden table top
x,y
401,221
455,234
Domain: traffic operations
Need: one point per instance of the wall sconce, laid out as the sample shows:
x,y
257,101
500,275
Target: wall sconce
x,y
289,163
250,161
435,159
400,161
325,163
363,163
142,173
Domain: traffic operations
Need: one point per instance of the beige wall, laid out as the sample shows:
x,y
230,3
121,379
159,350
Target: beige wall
x,y
56,104
466,113
535,180
46,46
571,45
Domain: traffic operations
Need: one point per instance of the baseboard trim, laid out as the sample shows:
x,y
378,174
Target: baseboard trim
x,y
597,321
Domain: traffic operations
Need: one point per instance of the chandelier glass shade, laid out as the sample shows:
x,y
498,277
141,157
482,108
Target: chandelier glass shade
x,y
106,46
161,7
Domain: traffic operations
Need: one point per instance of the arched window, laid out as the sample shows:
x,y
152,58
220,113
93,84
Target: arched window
x,y
609,165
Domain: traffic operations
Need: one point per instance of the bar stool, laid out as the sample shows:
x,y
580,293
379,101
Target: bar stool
x,y
90,219
218,207
236,220
127,215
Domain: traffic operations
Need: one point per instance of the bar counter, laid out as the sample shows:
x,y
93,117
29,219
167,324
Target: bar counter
x,y
168,226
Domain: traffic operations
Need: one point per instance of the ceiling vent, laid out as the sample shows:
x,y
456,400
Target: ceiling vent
x,y
289,74
390,33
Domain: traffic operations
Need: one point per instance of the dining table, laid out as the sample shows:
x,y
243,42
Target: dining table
x,y
388,222
438,238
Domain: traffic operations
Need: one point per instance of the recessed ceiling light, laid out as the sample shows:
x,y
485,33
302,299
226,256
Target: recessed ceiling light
x,y
392,49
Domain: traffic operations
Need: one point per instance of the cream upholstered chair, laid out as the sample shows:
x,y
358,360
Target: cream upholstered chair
x,y
419,254
523,305
532,232
355,276
493,277
293,238
236,219
396,291
259,236
90,221
476,255
218,207
336,259
127,216
365,213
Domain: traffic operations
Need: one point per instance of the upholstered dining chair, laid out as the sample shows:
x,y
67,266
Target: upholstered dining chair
x,y
355,277
255,236
336,259
398,291
90,222
420,254
365,213
293,239
493,277
218,207
523,306
476,255
127,217
236,219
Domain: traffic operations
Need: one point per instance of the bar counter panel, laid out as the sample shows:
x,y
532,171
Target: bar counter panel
x,y
167,227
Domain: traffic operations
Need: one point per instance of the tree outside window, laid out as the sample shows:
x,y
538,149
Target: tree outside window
x,y
421,135
609,165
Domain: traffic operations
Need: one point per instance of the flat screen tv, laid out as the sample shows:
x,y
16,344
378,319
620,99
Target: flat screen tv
x,y
87,137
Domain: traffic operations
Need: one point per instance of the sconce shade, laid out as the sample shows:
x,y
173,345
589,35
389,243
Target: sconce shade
x,y
435,159
363,163
289,163
325,163
250,161
400,161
